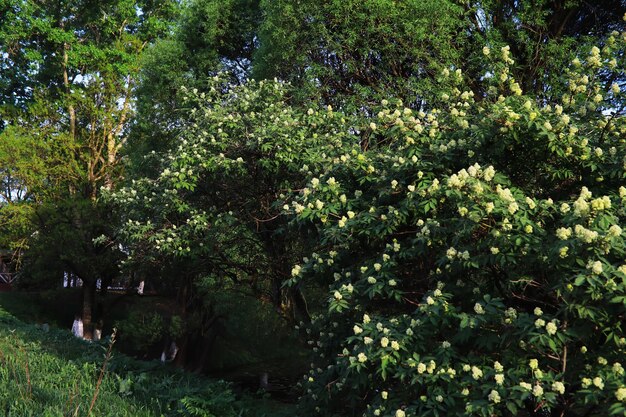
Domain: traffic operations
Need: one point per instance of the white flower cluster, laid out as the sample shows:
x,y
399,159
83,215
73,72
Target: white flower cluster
x,y
620,394
600,204
585,235
594,57
564,233
452,253
494,396
505,194
558,386
595,267
614,231
479,309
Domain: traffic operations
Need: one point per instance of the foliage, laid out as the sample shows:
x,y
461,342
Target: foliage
x,y
215,202
457,288
145,323
456,167
207,36
255,337
67,83
31,169
544,36
473,252
142,329
57,307
354,53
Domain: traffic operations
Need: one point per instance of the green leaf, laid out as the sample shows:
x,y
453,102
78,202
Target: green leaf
x,y
580,280
384,361
510,405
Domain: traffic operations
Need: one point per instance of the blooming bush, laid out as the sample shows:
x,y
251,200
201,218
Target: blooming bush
x,y
474,253
213,208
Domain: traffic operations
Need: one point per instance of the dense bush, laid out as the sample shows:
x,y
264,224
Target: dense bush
x,y
468,241
474,252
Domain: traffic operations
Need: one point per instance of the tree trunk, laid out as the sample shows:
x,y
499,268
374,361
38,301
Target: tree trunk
x,y
89,296
183,348
182,299
111,159
66,82
300,304
102,311
204,356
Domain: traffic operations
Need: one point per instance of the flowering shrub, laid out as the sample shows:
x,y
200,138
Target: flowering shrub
x,y
214,206
474,253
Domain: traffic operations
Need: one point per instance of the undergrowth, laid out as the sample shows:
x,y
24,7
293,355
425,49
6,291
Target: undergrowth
x,y
49,373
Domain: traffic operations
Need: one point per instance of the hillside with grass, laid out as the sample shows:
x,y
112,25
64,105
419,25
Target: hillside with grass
x,y
45,371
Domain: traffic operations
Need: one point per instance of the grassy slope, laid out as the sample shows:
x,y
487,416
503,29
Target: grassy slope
x,y
51,373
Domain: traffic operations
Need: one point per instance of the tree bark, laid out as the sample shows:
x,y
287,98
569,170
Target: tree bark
x,y
204,356
89,296
300,304
66,83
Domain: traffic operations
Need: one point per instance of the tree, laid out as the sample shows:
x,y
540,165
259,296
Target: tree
x,y
69,74
349,55
544,36
355,53
213,207
209,36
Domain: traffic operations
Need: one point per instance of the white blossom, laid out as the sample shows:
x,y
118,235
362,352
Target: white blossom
x,y
494,396
478,308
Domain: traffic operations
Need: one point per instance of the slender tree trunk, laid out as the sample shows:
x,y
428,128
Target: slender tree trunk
x,y
66,83
89,297
181,357
289,303
113,140
111,159
300,305
204,356
183,301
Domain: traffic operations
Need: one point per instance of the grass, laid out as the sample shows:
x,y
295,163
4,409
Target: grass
x,y
51,373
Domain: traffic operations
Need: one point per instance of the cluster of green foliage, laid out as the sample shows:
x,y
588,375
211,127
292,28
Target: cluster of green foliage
x,y
474,252
68,72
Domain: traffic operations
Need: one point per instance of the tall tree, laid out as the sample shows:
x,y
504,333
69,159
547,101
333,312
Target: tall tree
x,y
210,36
356,52
351,54
213,209
69,71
